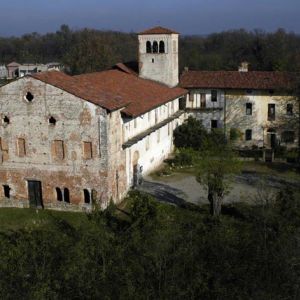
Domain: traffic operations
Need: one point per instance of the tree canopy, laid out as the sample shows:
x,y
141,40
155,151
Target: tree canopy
x,y
87,50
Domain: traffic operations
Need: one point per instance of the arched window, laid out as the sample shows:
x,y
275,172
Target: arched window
x,y
148,47
161,47
87,196
155,47
66,195
59,196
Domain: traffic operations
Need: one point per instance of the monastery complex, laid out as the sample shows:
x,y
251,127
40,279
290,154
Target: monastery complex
x,y
66,141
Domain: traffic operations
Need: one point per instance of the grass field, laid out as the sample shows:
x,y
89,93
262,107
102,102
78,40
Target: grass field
x,y
19,218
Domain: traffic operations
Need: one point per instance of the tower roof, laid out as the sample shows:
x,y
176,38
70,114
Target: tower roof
x,y
158,30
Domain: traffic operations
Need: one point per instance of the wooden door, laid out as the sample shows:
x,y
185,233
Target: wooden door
x,y
35,194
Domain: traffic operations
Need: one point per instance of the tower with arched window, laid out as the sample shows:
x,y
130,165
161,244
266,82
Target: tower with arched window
x,y
158,55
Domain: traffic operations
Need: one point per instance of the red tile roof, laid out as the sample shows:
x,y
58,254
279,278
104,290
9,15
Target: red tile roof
x,y
237,80
114,89
82,89
141,95
158,30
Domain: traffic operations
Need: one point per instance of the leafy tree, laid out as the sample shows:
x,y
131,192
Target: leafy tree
x,y
216,164
190,134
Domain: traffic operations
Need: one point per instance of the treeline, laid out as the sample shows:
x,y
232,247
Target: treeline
x,y
93,50
157,251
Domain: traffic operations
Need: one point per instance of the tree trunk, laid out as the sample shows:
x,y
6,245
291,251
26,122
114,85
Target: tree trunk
x,y
215,200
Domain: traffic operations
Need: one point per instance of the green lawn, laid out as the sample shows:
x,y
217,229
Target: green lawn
x,y
18,218
282,170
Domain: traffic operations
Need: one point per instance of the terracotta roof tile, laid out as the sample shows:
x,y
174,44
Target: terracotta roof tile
x,y
158,30
237,80
141,95
81,88
114,89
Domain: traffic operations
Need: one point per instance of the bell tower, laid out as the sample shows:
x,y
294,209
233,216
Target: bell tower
x,y
158,55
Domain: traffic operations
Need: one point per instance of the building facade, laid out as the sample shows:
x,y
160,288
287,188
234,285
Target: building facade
x,y
68,141
258,108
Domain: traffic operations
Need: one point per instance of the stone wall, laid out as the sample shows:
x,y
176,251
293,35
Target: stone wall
x,y
77,121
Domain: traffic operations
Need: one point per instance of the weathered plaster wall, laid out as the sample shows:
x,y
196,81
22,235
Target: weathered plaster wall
x,y
152,150
77,121
236,116
213,110
134,126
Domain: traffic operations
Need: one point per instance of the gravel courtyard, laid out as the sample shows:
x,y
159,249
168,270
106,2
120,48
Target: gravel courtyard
x,y
246,187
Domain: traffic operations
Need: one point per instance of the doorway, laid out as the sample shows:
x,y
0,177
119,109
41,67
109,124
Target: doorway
x,y
35,194
271,138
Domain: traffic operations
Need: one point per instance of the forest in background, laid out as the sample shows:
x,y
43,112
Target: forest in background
x,y
89,50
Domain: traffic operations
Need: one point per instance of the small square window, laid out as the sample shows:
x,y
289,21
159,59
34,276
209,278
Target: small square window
x,y
248,135
289,109
214,95
271,112
249,109
214,124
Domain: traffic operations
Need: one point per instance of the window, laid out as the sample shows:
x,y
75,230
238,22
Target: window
x,y
59,196
214,124
271,112
248,134
155,47
4,149
289,109
87,150
6,191
29,97
202,100
249,91
288,136
214,95
66,195
87,196
161,47
21,147
148,47
6,120
58,149
153,60
249,109
135,123
52,121
191,97
149,116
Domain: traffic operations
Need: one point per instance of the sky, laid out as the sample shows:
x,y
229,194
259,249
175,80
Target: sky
x,y
18,17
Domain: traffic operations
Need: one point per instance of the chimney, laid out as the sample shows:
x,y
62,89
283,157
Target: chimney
x,y
244,67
